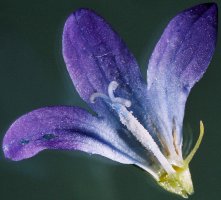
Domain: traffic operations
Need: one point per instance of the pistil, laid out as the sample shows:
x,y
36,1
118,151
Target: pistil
x,y
119,105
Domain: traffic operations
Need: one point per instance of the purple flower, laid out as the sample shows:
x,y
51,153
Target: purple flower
x,y
137,122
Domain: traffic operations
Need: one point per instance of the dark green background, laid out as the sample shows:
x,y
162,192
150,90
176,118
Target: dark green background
x,y
33,75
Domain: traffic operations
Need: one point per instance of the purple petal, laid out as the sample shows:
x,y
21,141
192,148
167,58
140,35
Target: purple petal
x,y
95,56
179,60
67,128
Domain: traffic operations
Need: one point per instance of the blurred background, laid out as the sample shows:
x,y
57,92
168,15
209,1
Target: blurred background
x,y
33,75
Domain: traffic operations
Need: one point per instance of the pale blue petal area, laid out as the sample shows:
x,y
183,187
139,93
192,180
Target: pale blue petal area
x,y
70,128
179,60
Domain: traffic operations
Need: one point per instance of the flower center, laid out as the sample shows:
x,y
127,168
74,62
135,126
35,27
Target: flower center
x,y
120,105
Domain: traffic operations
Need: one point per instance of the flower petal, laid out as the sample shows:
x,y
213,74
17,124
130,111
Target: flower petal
x,y
95,56
179,60
67,128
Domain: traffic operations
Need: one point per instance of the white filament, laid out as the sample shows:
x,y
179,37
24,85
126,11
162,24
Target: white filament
x,y
143,136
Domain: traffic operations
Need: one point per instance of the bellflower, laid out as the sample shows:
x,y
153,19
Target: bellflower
x,y
137,122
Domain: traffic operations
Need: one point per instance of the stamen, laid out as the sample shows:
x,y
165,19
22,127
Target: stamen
x,y
133,125
195,148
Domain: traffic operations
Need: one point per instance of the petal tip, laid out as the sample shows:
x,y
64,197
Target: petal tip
x,y
8,151
210,8
213,8
81,12
200,9
213,5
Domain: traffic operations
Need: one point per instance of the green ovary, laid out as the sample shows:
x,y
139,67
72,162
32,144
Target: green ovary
x,y
180,182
